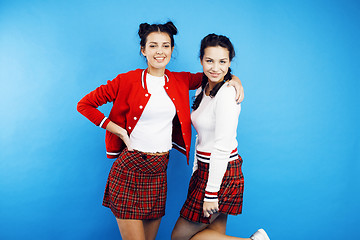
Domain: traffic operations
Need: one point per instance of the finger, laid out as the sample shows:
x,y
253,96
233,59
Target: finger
x,y
242,95
128,145
207,212
238,98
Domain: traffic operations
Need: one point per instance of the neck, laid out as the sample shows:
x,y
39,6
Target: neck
x,y
157,72
211,85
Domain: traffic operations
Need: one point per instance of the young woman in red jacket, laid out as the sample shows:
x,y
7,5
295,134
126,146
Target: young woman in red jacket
x,y
150,114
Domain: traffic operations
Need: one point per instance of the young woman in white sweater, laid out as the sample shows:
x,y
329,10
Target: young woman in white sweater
x,y
217,184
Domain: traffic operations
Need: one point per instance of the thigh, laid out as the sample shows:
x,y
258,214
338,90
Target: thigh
x,y
185,229
219,223
131,229
151,228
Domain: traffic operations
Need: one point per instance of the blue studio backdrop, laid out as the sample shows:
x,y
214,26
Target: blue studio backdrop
x,y
298,130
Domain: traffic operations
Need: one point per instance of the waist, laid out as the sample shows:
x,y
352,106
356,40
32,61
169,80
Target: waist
x,y
154,153
142,163
152,138
205,156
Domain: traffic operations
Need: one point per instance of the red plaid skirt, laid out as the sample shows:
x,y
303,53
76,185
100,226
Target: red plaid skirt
x,y
136,186
230,194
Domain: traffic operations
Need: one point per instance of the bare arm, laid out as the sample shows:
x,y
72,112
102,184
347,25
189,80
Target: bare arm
x,y
120,132
236,83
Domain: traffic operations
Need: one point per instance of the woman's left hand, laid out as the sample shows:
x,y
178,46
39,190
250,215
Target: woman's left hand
x,y
210,208
236,83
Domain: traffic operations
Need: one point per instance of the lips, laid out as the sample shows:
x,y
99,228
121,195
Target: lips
x,y
215,75
159,59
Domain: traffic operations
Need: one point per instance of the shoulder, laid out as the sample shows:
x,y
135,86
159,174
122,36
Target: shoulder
x,y
225,102
128,77
227,92
226,96
131,74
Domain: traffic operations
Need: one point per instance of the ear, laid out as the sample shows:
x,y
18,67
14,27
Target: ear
x,y
201,62
143,51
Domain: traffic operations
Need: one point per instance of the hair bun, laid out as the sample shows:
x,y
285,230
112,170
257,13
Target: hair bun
x,y
170,25
143,29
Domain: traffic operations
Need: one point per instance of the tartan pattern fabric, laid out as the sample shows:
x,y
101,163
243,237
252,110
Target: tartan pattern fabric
x,y
136,186
230,194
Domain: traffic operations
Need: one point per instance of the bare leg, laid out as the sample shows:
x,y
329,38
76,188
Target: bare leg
x,y
131,229
210,234
151,228
185,230
219,224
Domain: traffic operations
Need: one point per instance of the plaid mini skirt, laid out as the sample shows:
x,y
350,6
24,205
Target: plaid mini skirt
x,y
136,186
230,194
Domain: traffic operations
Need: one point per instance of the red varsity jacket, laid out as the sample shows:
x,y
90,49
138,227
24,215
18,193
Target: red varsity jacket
x,y
129,95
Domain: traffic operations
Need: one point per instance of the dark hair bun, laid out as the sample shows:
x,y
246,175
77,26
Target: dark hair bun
x,y
143,28
171,27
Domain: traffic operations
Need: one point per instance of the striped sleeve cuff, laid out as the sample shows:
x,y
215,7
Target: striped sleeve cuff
x,y
210,196
104,122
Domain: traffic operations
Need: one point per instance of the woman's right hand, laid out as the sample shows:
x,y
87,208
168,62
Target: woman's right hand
x,y
120,132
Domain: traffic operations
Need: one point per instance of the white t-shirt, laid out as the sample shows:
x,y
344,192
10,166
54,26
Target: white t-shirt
x,y
153,131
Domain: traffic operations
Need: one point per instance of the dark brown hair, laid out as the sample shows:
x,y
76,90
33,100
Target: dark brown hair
x,y
145,29
213,40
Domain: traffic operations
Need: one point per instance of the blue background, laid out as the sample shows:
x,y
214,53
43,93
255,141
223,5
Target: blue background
x,y
298,130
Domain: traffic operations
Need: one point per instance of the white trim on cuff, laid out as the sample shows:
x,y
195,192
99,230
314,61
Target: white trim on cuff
x,y
113,154
102,122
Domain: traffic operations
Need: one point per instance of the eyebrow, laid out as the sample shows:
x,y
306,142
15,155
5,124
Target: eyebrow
x,y
220,59
157,42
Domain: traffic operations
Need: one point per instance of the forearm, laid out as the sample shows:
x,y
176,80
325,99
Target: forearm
x,y
120,132
236,83
116,129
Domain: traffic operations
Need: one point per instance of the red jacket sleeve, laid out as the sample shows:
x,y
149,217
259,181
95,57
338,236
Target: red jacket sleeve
x,y
195,80
88,105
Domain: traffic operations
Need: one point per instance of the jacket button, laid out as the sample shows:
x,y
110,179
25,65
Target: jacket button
x,y
174,99
146,95
135,118
129,127
141,107
167,87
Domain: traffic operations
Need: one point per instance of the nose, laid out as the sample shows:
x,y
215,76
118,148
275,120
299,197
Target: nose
x,y
215,67
159,50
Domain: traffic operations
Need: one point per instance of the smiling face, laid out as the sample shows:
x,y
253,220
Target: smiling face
x,y
158,52
216,63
